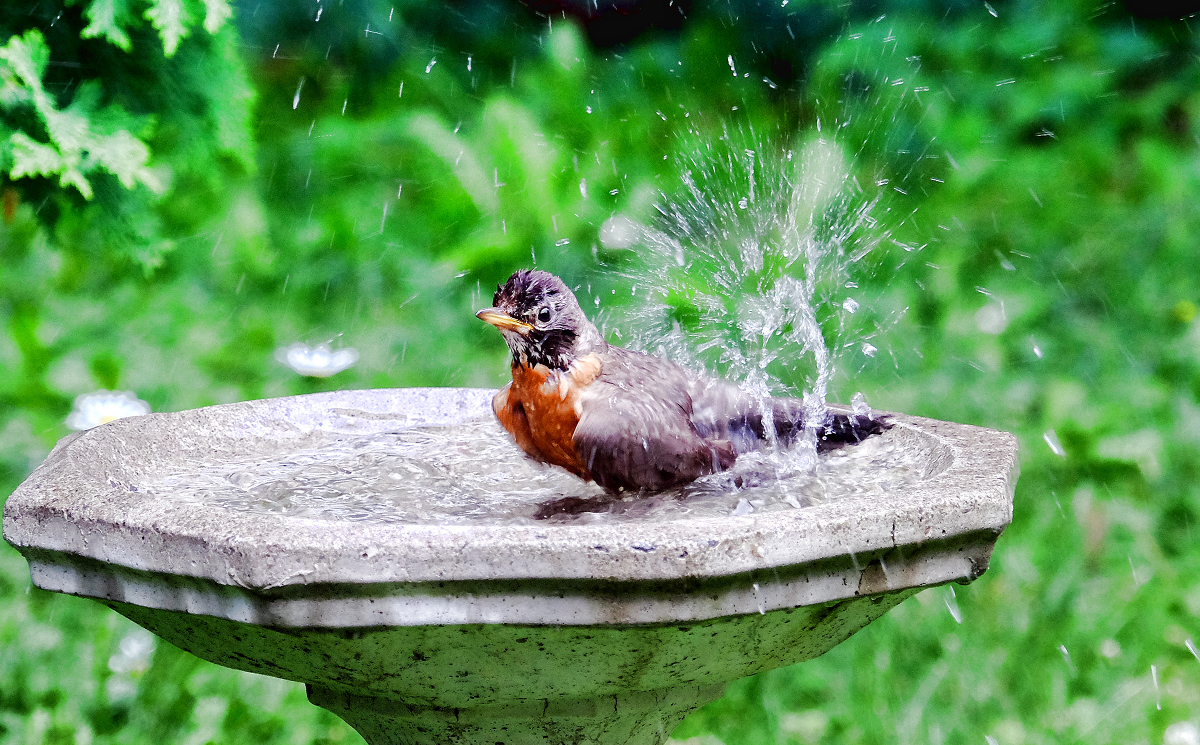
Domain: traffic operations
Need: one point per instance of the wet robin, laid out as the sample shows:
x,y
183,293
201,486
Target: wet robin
x,y
628,421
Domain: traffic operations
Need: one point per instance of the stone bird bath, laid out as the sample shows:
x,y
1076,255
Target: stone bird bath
x,y
526,632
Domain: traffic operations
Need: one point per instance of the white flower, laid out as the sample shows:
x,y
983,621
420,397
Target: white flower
x,y
1182,733
101,407
620,232
316,362
992,318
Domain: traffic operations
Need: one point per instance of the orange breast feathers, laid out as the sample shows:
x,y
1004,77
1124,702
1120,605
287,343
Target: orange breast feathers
x,y
541,407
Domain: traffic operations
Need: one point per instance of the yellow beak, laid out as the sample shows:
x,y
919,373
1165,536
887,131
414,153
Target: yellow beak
x,y
503,321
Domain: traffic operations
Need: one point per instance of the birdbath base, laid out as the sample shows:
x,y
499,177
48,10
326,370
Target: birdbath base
x,y
482,684
641,718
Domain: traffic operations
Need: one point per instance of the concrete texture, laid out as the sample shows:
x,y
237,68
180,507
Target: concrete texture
x,y
557,633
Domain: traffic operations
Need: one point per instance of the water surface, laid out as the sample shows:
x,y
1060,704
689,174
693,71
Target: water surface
x,y
473,474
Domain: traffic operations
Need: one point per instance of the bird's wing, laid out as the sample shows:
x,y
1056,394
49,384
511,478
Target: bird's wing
x,y
721,410
635,430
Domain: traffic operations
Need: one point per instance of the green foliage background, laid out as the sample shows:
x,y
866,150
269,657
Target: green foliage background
x,y
187,186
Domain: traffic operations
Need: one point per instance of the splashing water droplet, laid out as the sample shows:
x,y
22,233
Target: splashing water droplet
x,y
753,256
952,605
859,405
761,610
1062,648
1056,447
1157,694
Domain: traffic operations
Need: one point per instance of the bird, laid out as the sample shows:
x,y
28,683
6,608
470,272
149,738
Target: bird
x,y
629,421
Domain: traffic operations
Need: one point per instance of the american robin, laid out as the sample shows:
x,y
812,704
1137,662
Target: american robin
x,y
628,421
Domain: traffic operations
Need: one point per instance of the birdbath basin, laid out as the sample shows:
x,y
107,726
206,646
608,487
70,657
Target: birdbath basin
x,y
478,626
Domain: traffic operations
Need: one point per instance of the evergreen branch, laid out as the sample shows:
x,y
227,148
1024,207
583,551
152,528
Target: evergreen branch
x,y
78,141
106,18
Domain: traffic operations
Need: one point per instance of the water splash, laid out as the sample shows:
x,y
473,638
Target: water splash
x,y
473,473
753,267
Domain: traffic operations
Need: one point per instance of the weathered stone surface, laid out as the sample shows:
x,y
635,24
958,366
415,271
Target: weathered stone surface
x,y
419,633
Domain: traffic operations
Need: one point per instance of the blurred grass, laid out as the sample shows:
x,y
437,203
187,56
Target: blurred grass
x,y
1042,175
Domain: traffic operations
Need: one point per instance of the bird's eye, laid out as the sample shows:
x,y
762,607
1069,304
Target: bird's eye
x,y
544,315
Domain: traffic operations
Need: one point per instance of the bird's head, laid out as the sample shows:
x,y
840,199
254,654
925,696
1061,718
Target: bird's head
x,y
541,320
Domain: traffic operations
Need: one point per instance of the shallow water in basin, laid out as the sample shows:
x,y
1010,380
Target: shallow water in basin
x,y
473,474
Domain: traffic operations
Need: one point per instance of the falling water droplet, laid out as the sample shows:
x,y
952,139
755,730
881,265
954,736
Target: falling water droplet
x,y
1157,694
296,99
952,605
991,10
1192,648
1067,658
1055,446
